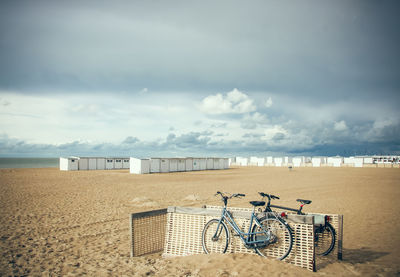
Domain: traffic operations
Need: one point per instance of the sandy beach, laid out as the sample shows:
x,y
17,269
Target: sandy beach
x,y
56,223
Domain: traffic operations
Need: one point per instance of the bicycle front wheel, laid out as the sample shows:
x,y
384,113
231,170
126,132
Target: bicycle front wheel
x,y
324,239
278,235
215,237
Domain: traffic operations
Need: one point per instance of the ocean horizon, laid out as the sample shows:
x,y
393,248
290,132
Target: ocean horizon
x,y
28,162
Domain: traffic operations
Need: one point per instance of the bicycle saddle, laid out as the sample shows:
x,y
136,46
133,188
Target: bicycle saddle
x,y
302,201
257,203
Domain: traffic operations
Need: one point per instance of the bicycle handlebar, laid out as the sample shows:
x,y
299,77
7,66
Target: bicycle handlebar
x,y
231,196
270,196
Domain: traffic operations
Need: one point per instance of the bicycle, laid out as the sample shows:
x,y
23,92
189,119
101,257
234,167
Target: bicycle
x,y
324,233
264,235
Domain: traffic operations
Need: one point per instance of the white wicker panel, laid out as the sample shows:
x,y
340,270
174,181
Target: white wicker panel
x,y
184,238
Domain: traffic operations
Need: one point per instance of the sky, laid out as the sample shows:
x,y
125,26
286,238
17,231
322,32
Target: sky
x,y
199,78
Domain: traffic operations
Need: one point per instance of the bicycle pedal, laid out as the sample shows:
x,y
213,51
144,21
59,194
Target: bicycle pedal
x,y
249,246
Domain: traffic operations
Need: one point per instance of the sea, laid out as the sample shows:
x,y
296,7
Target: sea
x,y
29,162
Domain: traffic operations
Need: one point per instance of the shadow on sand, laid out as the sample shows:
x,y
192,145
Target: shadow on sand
x,y
351,256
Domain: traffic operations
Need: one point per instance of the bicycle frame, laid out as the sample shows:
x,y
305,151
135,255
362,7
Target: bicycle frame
x,y
245,237
269,205
268,209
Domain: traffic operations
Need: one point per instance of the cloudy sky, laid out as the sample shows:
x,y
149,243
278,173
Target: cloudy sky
x,y
199,78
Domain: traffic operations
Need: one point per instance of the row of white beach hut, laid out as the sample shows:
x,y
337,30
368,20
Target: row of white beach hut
x,y
143,166
364,161
164,165
93,163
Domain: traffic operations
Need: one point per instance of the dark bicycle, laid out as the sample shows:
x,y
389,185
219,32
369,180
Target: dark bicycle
x,y
324,231
264,235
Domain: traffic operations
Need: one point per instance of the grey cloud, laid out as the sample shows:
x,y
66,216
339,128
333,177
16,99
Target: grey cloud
x,y
131,140
189,140
338,48
253,135
200,144
323,62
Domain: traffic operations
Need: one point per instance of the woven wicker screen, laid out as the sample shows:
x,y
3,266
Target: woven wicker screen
x,y
336,220
185,226
148,232
179,231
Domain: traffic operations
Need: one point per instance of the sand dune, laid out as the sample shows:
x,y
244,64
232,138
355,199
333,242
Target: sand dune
x,y
73,223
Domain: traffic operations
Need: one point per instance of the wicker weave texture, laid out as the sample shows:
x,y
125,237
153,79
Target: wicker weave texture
x,y
184,237
302,253
148,232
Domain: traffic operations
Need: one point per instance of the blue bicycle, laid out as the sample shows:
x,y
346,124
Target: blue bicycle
x,y
268,236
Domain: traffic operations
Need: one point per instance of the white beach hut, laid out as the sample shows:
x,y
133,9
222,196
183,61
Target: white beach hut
x,y
297,161
139,166
358,162
368,160
70,163
270,161
155,165
125,163
181,164
260,161
189,164
241,161
100,163
109,163
118,163
196,164
83,164
216,163
335,161
316,162
203,163
210,163
92,163
278,161
253,161
226,163
348,161
164,165
221,163
173,165
286,161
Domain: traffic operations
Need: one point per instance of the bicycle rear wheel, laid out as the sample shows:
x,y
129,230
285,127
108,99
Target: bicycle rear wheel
x,y
324,239
215,237
281,239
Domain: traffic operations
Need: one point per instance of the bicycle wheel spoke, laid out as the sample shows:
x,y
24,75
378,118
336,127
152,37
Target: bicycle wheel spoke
x,y
279,243
324,240
215,237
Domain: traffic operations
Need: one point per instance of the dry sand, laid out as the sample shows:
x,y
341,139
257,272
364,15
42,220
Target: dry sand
x,y
73,223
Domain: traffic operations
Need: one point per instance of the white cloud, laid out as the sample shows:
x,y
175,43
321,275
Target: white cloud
x,y
273,131
381,123
235,102
268,103
340,126
251,121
